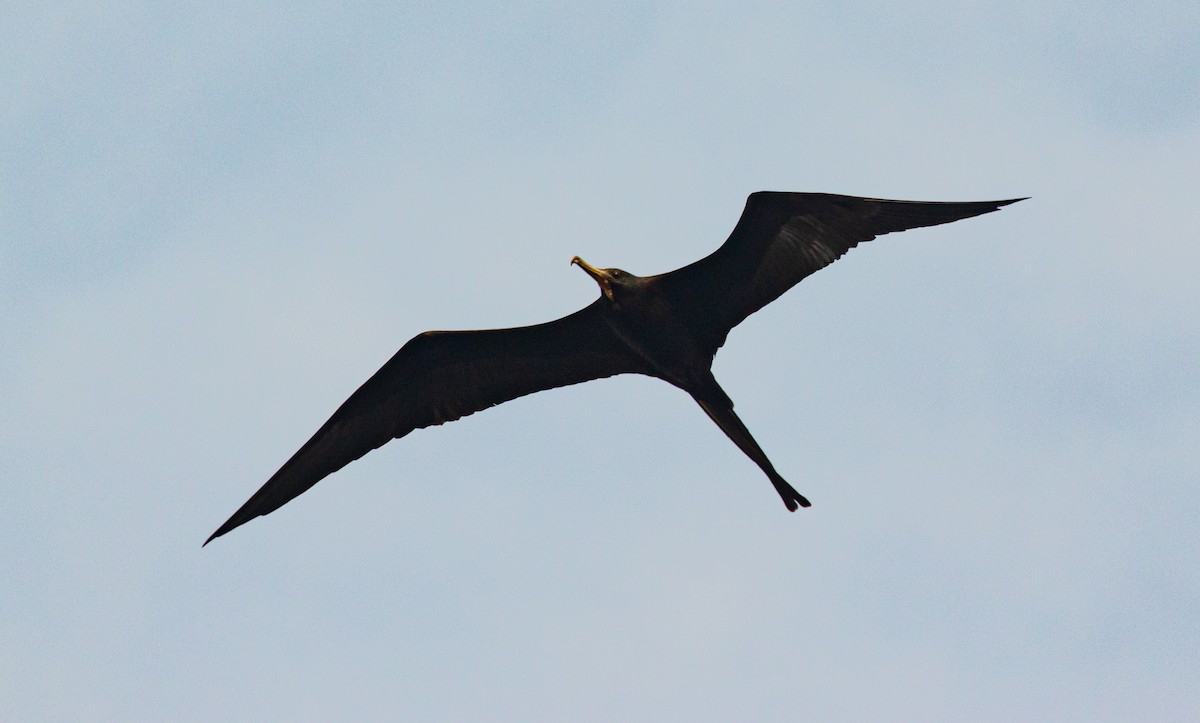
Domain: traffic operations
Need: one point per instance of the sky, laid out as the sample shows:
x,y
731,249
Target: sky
x,y
217,220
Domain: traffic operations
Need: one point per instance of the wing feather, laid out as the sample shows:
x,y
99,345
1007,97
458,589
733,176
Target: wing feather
x,y
440,376
783,237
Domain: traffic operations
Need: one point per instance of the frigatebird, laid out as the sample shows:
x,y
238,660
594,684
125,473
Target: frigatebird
x,y
667,326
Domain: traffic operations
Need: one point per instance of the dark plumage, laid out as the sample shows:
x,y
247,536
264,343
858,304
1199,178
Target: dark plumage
x,y
667,326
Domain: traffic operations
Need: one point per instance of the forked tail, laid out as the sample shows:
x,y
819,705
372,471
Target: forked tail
x,y
719,408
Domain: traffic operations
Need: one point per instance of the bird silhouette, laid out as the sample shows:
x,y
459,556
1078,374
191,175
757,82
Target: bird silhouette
x,y
668,326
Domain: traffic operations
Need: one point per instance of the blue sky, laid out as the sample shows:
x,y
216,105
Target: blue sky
x,y
216,222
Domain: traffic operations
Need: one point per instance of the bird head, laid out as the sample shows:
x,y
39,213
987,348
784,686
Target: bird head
x,y
613,282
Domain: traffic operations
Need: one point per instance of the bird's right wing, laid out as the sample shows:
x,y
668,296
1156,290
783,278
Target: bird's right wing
x,y
440,376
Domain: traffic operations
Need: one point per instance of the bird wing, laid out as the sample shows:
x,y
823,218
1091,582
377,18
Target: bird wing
x,y
782,238
440,376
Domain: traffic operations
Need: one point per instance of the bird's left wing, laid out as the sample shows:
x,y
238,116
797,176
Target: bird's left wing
x,y
440,376
782,238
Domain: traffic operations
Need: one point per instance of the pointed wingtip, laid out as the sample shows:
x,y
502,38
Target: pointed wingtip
x,y
232,523
1012,200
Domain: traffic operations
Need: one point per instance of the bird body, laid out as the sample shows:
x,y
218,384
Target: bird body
x,y
668,326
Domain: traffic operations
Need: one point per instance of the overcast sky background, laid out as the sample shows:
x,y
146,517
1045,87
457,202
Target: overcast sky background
x,y
216,222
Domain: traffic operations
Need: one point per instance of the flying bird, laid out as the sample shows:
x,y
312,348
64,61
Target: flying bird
x,y
668,326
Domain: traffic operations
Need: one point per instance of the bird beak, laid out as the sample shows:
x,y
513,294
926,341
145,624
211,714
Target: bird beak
x,y
597,274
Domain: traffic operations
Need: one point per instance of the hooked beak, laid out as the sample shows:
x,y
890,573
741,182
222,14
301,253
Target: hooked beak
x,y
597,274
